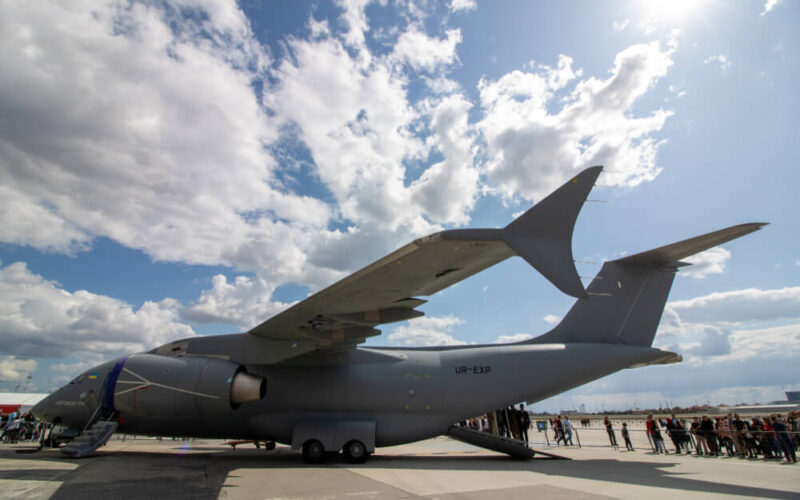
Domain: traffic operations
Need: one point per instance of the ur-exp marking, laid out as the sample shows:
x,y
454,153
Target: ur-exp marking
x,y
474,369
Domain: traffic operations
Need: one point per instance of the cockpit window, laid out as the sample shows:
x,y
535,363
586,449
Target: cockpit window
x,y
78,379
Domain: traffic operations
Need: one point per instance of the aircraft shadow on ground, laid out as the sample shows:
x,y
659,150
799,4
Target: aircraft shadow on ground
x,y
202,472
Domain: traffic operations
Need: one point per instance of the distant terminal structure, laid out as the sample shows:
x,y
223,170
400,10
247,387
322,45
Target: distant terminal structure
x,y
20,402
792,403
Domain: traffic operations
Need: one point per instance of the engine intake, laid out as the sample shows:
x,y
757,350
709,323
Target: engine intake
x,y
246,387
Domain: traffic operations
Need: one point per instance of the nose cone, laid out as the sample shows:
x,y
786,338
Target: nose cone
x,y
43,409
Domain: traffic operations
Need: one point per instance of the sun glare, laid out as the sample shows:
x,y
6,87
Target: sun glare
x,y
670,10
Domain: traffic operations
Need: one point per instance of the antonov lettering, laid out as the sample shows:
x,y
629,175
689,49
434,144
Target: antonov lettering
x,y
63,402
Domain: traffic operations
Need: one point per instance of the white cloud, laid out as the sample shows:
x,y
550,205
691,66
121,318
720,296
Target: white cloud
x,y
531,150
750,304
734,325
620,25
108,141
463,5
517,337
426,331
648,26
13,369
422,52
711,261
245,302
769,5
39,319
356,19
722,59
441,85
781,342
26,221
456,173
714,341
670,323
677,90
355,118
551,319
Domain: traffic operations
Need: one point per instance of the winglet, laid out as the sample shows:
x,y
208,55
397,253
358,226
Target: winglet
x,y
543,234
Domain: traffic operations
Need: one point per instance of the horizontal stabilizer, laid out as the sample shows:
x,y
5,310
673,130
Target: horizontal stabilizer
x,y
670,254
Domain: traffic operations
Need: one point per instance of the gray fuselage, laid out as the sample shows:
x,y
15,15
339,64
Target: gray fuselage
x,y
409,394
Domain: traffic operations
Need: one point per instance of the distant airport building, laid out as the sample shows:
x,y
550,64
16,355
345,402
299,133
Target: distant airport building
x,y
20,402
792,403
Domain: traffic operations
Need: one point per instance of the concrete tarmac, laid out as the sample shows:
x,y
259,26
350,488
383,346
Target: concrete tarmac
x,y
437,468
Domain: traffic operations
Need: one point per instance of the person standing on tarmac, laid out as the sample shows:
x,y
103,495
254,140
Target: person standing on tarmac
x,y
524,422
653,432
627,437
784,440
558,425
567,431
610,430
709,434
513,422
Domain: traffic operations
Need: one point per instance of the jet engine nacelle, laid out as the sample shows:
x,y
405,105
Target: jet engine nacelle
x,y
151,385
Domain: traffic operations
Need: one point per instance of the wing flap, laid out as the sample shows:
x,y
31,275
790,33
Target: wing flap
x,y
385,291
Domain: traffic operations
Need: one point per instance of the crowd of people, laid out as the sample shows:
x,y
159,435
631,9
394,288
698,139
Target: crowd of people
x,y
20,427
772,437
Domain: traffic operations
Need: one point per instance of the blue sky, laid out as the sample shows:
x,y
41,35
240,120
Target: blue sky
x,y
184,168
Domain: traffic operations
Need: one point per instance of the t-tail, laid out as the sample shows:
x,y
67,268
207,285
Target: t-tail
x,y
624,302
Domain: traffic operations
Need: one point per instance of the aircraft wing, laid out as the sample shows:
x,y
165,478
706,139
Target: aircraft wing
x,y
347,312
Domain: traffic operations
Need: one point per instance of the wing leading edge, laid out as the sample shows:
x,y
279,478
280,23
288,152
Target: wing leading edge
x,y
386,291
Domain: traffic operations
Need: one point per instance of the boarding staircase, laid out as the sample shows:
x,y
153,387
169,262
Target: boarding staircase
x,y
512,447
91,438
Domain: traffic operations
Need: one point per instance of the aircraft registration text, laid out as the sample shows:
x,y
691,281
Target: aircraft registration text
x,y
475,369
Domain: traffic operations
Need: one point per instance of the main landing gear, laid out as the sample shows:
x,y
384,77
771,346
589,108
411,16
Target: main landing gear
x,y
313,452
354,452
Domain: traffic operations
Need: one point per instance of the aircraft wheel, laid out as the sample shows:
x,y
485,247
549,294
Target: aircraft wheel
x,y
313,451
355,452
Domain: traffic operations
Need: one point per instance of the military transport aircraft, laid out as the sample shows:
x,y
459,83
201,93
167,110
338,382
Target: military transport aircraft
x,y
301,377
